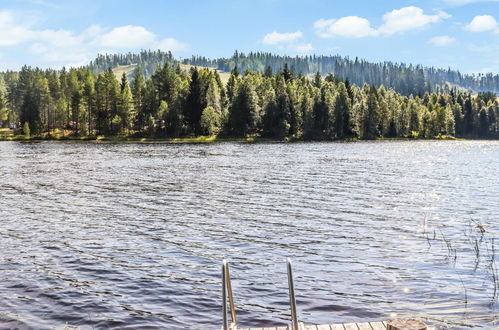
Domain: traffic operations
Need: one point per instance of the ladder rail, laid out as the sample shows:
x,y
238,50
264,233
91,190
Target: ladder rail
x,y
292,299
224,296
227,293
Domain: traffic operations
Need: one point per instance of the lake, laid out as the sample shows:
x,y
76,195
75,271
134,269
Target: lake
x,y
102,235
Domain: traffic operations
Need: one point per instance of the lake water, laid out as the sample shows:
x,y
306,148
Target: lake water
x,y
132,235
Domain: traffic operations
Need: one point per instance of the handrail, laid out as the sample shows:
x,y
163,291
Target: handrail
x,y
224,296
292,300
229,291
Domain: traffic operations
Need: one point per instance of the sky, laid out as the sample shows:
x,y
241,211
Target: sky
x,y
460,34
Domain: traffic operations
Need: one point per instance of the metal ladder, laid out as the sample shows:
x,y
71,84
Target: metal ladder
x,y
227,293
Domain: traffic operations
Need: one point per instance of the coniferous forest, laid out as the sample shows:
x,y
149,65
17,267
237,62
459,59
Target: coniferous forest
x,y
403,78
278,102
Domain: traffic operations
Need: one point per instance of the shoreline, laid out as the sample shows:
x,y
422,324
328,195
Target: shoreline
x,y
211,139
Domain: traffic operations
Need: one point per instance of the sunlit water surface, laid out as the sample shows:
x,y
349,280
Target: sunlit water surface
x,y
132,235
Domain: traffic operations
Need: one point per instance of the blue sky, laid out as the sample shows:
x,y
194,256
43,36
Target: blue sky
x,y
462,34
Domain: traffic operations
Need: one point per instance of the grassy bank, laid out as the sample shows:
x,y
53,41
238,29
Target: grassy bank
x,y
8,135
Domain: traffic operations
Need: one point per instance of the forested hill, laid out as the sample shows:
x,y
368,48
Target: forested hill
x,y
148,61
175,102
406,79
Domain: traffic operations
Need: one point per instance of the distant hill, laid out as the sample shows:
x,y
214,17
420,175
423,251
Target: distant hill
x,y
148,61
130,70
406,79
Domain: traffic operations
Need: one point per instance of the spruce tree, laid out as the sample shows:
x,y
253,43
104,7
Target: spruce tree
x,y
369,129
194,103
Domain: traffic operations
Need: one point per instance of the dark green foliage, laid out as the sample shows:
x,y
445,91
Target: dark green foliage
x,y
369,129
175,103
147,61
342,112
244,114
468,117
483,130
194,104
405,79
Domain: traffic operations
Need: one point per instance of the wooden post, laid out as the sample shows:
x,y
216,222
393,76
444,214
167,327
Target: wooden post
x,y
405,324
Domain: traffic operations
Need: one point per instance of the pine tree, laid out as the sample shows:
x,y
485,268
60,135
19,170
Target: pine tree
x,y
369,129
232,84
126,109
483,130
194,103
244,113
468,117
341,111
138,92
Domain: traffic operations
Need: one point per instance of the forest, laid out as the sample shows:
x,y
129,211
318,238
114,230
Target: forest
x,y
405,79
276,104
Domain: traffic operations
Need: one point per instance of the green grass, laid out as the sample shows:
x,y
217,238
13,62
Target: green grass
x,y
127,69
125,139
224,76
5,131
58,135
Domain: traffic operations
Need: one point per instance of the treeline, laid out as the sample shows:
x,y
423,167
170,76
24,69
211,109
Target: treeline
x,y
405,79
148,61
176,103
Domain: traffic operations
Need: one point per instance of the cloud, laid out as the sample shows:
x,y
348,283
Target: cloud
x,y
442,41
129,36
277,38
482,23
64,47
303,48
349,27
132,36
170,44
288,42
408,18
395,21
12,34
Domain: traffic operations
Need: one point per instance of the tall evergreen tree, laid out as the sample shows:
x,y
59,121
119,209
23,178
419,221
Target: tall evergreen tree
x,y
194,104
369,129
342,112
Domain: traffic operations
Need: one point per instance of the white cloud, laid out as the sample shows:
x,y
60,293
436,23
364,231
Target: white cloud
x,y
288,42
349,27
277,38
12,34
483,23
408,18
396,21
64,47
170,44
303,48
442,41
128,36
